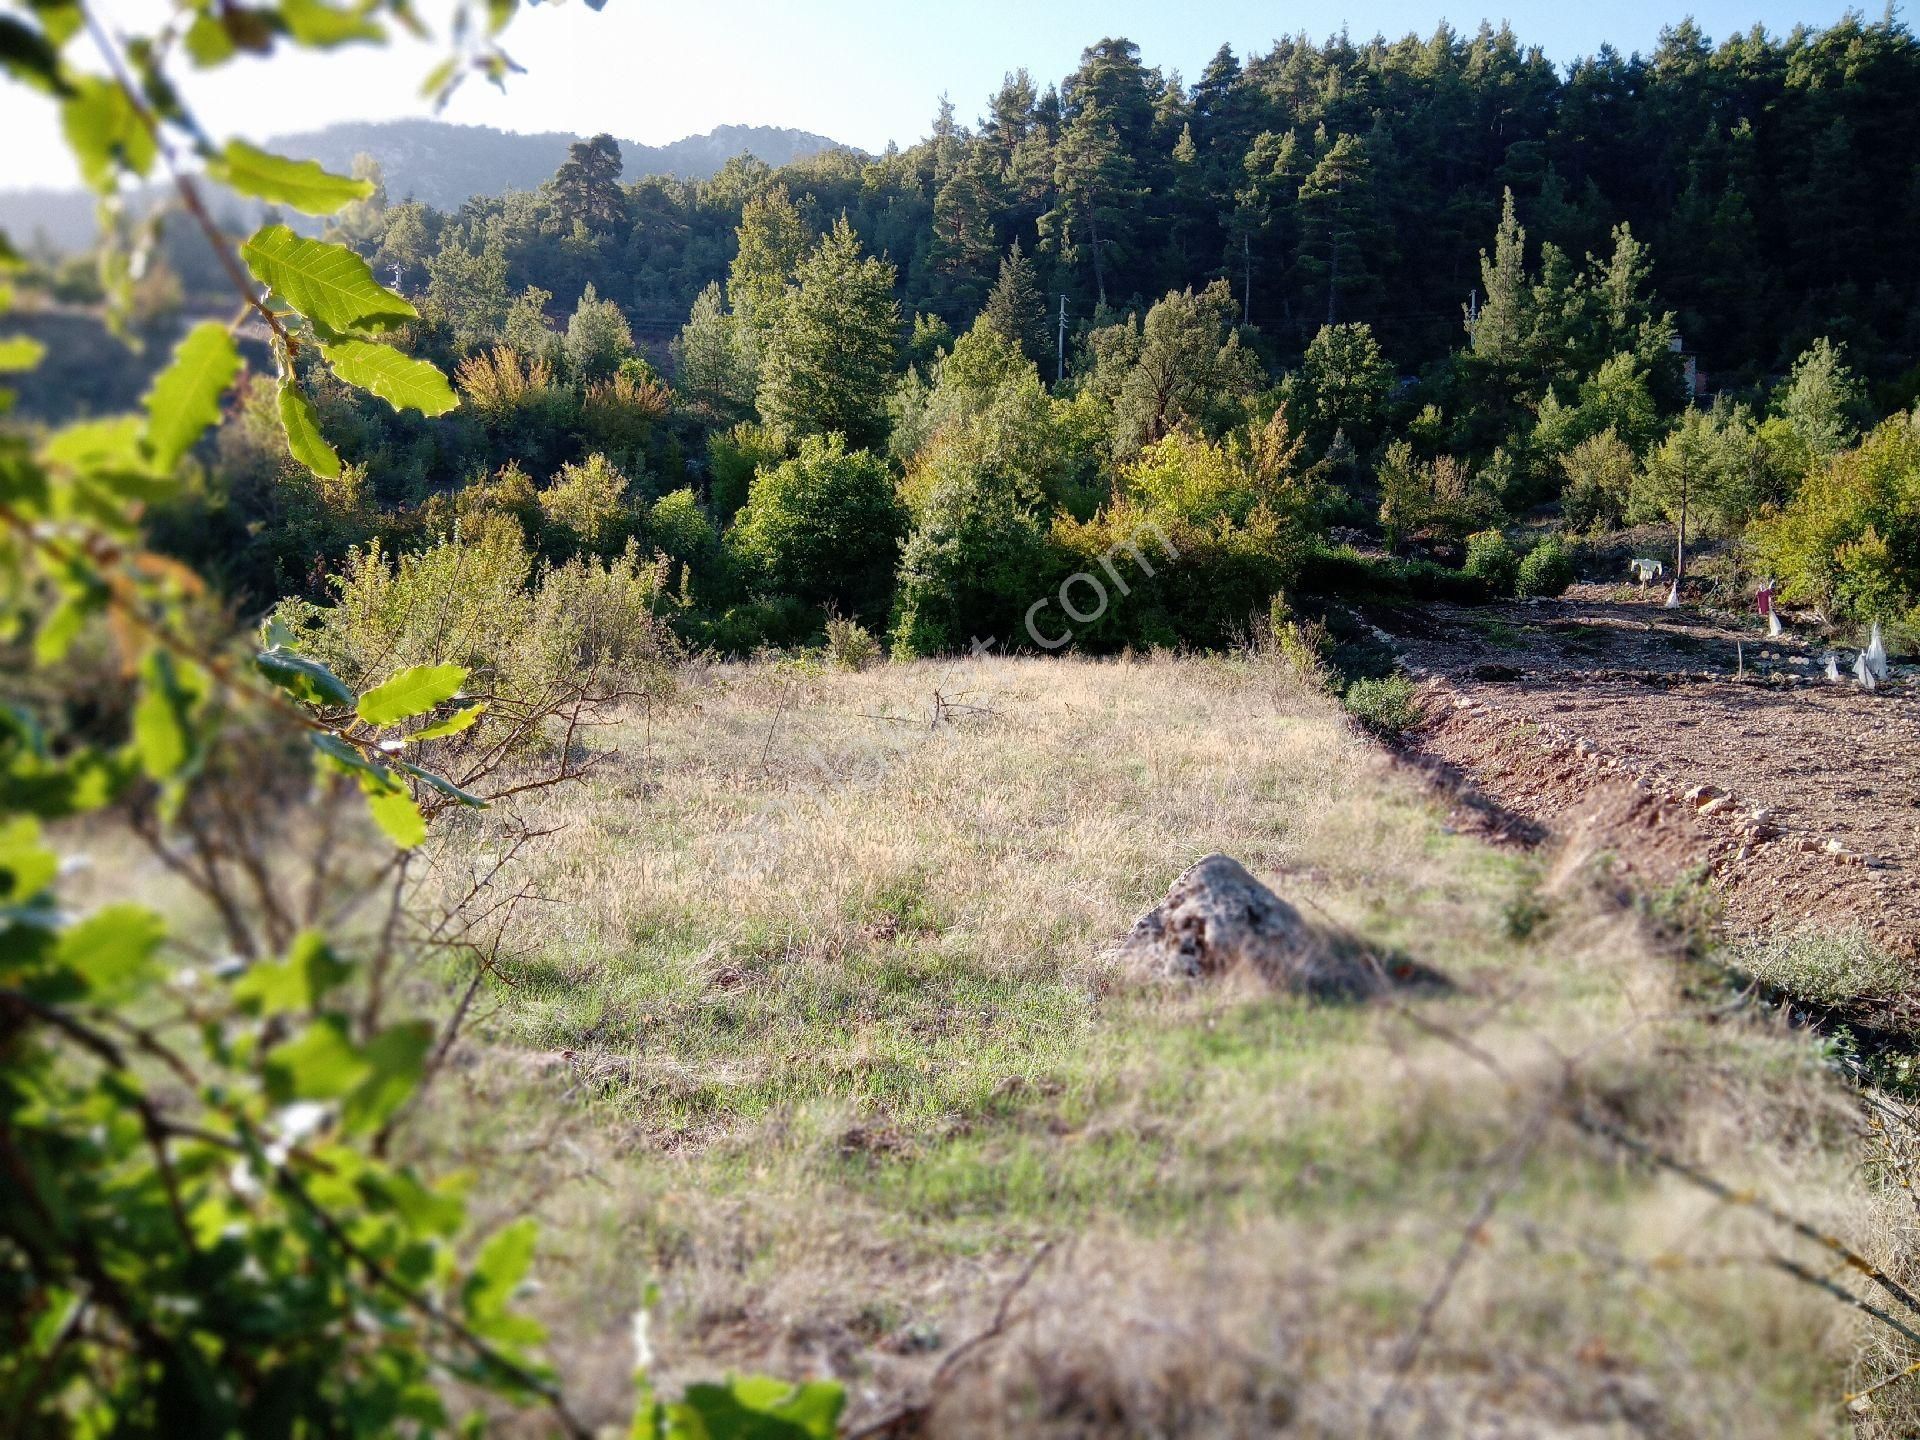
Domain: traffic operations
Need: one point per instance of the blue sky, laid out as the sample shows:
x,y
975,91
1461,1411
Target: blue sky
x,y
861,71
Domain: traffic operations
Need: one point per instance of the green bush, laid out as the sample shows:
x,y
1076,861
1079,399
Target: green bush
x,y
823,527
779,622
679,529
1600,474
1492,559
1385,707
1165,581
1342,570
976,559
586,508
734,457
1844,541
1301,645
522,629
1547,570
850,644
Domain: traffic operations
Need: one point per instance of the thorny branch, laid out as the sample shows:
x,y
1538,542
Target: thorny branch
x,y
1565,1104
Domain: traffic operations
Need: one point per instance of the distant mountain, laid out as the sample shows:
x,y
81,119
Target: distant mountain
x,y
442,164
62,219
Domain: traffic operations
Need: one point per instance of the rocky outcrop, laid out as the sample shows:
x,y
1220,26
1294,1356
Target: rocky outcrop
x,y
1217,919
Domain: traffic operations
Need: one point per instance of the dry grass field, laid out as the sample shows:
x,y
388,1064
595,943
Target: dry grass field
x,y
817,1031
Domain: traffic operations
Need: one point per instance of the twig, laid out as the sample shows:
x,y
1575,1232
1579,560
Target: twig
x,y
1583,1119
786,695
1519,1151
907,1418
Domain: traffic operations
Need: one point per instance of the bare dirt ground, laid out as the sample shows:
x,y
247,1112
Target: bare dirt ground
x,y
1674,741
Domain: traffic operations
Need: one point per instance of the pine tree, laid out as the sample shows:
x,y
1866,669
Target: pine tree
x,y
712,361
1016,308
770,241
586,188
1105,160
1340,228
965,239
1263,222
829,359
1504,323
1094,177
1213,94
1010,116
362,223
1821,400
1623,287
598,337
949,142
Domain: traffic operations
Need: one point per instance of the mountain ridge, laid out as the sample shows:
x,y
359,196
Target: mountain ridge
x,y
441,163
423,158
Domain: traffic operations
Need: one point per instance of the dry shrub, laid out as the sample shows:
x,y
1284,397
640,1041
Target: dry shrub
x,y
621,411
526,630
850,644
499,382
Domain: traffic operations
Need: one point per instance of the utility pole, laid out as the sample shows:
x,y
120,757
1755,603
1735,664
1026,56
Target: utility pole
x,y
1333,278
1060,349
1246,279
1680,532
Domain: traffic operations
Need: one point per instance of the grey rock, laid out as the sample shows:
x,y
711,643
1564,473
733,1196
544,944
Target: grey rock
x,y
1217,918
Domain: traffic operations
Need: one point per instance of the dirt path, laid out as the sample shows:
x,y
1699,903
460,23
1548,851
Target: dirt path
x,y
1671,740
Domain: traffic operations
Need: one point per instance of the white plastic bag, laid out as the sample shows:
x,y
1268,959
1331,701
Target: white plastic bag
x,y
1876,654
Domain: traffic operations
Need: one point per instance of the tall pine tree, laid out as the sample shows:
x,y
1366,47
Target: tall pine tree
x,y
1016,308
829,360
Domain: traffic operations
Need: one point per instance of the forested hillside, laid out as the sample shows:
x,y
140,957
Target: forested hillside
x,y
1771,177
1393,293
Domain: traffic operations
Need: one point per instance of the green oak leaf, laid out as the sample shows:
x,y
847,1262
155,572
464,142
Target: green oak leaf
x,y
304,440
452,725
20,352
302,184
763,1407
329,284
400,380
105,133
109,950
445,786
26,865
497,1272
302,677
320,1063
414,691
315,23
89,446
395,813
185,399
296,984
398,1056
208,43
29,56
163,716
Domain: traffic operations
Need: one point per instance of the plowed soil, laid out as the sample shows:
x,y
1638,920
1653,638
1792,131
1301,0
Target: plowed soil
x,y
1678,743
